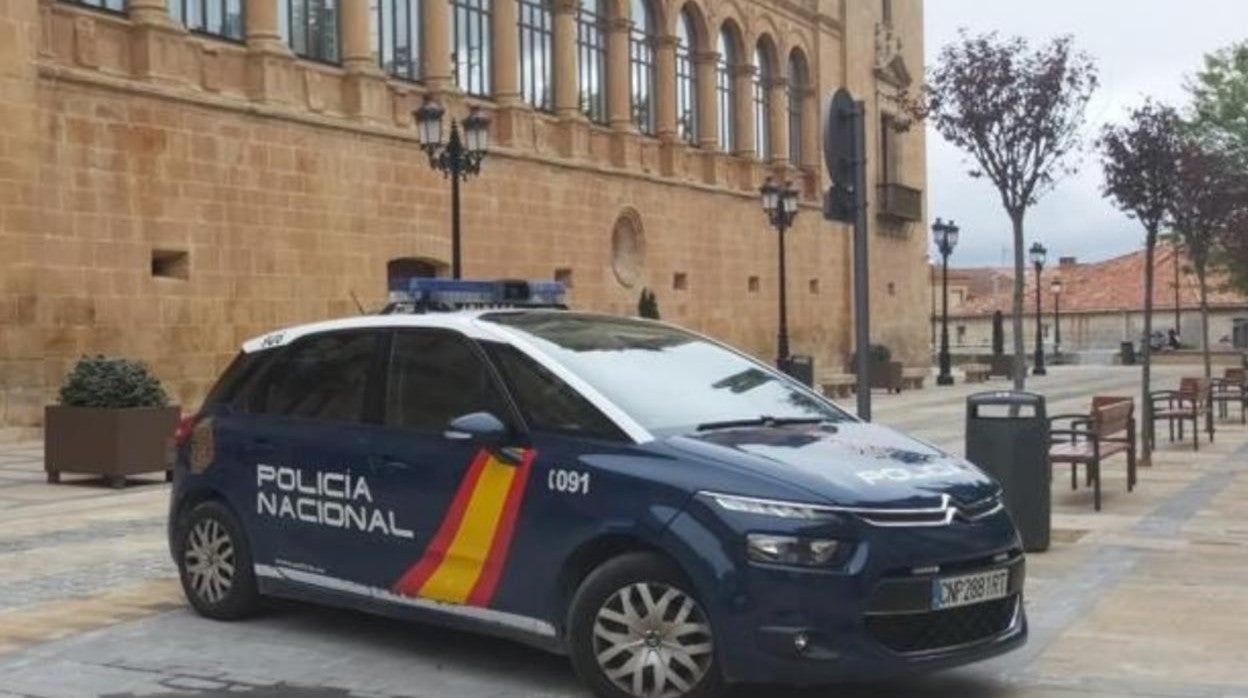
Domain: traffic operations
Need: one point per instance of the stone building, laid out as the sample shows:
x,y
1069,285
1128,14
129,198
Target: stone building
x,y
178,175
1101,304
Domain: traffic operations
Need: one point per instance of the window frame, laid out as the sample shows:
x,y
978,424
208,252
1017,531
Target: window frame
x,y
287,28
535,22
415,67
178,10
481,14
764,75
642,43
260,377
796,95
101,6
725,93
591,64
511,416
686,78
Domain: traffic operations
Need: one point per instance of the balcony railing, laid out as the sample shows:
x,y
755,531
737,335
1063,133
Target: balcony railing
x,y
899,202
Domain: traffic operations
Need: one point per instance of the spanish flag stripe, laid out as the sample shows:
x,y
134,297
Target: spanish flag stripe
x,y
412,580
461,566
483,590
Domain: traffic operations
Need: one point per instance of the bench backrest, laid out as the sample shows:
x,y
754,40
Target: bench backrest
x,y
1110,418
1102,400
1237,375
1197,388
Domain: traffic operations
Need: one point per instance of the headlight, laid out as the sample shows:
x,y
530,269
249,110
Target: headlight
x,y
791,550
771,507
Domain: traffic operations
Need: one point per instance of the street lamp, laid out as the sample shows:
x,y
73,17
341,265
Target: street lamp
x,y
1037,260
946,237
1056,287
459,158
780,205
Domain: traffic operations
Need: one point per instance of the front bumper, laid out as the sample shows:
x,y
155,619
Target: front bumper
x,y
869,619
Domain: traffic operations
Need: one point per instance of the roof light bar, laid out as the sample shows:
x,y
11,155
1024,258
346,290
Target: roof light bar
x,y
426,294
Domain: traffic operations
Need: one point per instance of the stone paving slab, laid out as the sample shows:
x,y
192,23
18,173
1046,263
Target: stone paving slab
x,y
1146,598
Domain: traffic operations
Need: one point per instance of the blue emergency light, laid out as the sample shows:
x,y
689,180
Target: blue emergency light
x,y
425,294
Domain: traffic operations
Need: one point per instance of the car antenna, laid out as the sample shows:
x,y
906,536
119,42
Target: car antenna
x,y
359,306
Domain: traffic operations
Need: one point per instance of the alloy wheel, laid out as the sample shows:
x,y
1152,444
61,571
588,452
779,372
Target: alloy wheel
x,y
209,560
652,640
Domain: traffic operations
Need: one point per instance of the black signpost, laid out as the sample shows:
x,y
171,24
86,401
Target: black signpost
x,y
844,153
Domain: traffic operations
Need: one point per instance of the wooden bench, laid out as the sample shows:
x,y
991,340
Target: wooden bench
x,y
1191,402
1232,389
912,378
976,373
837,384
1107,430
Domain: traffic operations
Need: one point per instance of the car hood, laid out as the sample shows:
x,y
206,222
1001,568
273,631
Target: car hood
x,y
848,464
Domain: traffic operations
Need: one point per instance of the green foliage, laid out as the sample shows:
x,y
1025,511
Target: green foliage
x,y
1220,101
648,305
110,382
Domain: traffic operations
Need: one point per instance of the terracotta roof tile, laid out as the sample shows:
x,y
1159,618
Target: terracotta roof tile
x,y
1115,284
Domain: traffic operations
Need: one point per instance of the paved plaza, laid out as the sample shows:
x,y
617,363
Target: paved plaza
x,y
1145,598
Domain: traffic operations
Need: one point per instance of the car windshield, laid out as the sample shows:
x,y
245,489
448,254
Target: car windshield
x,y
669,380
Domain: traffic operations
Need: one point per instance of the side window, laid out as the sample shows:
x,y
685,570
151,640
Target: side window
x,y
435,377
321,377
548,403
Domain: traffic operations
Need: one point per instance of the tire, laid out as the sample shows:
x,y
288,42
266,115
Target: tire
x,y
635,620
214,563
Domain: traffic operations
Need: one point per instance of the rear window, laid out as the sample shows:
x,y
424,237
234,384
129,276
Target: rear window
x,y
234,377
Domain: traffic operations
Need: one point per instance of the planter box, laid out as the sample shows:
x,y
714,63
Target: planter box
x,y
107,442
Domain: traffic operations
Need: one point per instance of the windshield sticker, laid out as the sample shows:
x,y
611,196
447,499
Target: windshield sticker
x,y
336,499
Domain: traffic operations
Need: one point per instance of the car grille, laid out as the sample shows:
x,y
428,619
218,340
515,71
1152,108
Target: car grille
x,y
909,633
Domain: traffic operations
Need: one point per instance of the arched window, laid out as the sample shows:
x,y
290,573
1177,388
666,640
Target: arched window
x,y
591,48
536,36
763,75
641,66
799,83
397,39
470,54
725,89
686,80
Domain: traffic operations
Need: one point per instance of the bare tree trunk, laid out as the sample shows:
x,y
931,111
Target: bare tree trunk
x,y
1204,320
1146,352
1020,356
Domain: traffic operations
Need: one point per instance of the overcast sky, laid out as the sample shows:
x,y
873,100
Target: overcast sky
x,y
1142,48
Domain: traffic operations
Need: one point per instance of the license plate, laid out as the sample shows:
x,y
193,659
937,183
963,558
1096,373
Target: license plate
x,y
952,592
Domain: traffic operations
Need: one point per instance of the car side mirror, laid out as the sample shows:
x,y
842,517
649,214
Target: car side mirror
x,y
481,428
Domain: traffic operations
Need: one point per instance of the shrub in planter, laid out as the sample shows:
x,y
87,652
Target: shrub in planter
x,y
113,420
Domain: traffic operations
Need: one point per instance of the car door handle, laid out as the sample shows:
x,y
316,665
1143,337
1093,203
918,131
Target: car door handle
x,y
387,463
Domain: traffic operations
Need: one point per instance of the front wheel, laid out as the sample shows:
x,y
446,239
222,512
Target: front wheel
x,y
636,630
214,563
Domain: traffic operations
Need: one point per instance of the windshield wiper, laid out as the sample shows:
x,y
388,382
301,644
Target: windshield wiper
x,y
763,421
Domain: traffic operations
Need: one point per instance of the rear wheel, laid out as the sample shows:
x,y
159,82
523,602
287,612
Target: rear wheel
x,y
636,630
214,563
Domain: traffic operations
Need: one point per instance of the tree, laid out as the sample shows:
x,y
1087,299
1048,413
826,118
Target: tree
x,y
1220,101
1140,163
1017,113
1209,196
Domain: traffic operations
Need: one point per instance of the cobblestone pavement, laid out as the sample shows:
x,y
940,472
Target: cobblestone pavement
x,y
1146,598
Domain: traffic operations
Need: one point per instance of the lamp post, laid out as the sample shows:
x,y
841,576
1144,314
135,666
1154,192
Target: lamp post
x,y
780,205
946,237
1056,287
459,158
1037,260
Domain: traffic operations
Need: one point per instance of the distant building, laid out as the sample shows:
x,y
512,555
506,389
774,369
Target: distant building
x,y
1101,303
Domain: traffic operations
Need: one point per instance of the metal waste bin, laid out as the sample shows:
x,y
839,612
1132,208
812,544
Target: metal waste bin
x,y
800,367
1127,351
1007,436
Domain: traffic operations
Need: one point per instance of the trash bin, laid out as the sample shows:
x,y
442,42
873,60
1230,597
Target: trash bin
x,y
800,367
1127,350
1007,436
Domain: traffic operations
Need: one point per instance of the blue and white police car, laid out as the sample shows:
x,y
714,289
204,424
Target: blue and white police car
x,y
667,511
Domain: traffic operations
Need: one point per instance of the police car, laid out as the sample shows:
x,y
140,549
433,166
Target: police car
x,y
667,511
